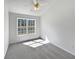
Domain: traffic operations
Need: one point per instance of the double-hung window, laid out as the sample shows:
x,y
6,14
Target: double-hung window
x,y
26,26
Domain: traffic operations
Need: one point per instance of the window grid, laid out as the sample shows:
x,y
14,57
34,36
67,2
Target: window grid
x,y
26,26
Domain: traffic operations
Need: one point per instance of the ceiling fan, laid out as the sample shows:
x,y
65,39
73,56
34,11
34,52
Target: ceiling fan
x,y
37,4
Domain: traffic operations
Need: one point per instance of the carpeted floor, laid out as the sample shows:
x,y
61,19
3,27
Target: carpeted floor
x,y
47,51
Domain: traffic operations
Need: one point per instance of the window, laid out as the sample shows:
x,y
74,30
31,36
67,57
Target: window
x,y
31,26
26,26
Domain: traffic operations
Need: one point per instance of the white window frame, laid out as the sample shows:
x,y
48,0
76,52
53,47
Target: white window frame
x,y
26,25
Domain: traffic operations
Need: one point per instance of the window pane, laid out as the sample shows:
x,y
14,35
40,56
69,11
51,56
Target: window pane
x,y
22,23
25,22
31,29
18,30
29,22
18,22
24,30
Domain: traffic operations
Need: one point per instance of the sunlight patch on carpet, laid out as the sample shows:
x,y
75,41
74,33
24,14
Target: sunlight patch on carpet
x,y
36,43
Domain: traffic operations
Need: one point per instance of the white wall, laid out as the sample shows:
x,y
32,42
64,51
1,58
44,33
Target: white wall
x,y
13,38
6,29
58,25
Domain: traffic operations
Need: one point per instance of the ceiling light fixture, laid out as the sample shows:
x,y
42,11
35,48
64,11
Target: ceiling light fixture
x,y
36,5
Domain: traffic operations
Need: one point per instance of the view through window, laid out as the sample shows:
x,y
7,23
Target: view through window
x,y
26,26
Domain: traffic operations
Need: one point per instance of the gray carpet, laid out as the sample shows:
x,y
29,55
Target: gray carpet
x,y
47,51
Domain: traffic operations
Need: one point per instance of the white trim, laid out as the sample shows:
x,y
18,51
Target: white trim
x,y
26,28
